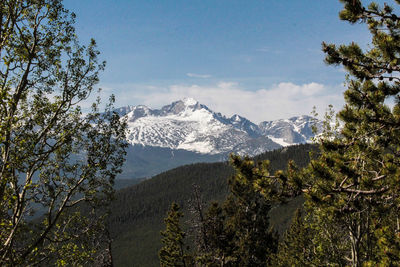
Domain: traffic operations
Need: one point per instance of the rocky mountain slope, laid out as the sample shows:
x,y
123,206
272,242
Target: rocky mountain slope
x,y
188,125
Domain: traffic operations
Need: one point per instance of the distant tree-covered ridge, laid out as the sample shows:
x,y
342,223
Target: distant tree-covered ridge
x,y
138,211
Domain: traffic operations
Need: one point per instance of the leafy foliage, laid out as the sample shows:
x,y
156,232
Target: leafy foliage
x,y
52,157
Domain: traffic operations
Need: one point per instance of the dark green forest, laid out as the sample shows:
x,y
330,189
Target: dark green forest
x,y
138,211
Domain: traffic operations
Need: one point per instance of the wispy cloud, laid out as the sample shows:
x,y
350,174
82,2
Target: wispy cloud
x,y
282,100
195,75
267,49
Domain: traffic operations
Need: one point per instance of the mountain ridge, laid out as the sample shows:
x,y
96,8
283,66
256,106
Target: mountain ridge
x,y
186,124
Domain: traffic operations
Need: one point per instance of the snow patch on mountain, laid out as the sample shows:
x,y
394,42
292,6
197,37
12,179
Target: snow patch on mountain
x,y
187,124
280,141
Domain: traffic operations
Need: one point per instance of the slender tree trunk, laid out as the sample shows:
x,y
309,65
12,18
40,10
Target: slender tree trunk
x,y
355,244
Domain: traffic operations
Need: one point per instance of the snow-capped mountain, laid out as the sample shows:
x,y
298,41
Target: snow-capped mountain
x,y
188,125
296,130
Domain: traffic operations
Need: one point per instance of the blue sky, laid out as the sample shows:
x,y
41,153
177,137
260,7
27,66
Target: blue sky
x,y
260,59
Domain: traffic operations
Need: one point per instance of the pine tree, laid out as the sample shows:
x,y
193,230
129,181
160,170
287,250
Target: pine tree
x,y
247,216
237,233
219,241
211,241
352,186
296,248
359,172
172,253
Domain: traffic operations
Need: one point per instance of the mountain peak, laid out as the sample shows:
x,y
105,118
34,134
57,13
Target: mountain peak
x,y
188,101
186,124
180,106
236,117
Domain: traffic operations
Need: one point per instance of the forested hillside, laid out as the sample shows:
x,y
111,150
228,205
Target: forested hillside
x,y
138,211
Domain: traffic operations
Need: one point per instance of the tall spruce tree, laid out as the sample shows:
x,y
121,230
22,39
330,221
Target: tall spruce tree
x,y
352,187
208,227
172,253
247,216
218,248
237,233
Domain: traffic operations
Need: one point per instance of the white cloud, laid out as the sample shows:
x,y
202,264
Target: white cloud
x,y
279,101
195,75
